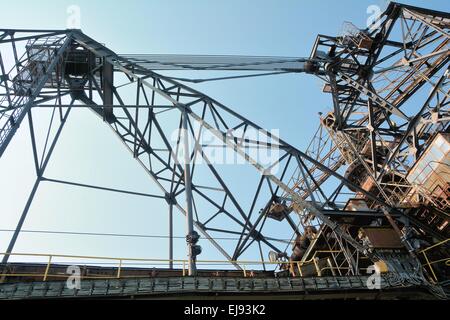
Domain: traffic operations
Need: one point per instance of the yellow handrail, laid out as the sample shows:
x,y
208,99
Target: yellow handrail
x,y
435,245
183,262
248,262
435,278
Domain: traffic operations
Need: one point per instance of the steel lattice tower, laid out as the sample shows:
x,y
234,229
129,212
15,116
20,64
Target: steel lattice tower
x,y
358,193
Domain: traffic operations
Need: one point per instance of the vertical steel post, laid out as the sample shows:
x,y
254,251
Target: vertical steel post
x,y
170,236
188,187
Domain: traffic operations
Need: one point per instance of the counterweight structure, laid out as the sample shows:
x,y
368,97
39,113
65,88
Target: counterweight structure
x,y
371,189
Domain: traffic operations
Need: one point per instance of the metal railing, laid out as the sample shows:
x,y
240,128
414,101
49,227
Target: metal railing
x,y
430,264
294,267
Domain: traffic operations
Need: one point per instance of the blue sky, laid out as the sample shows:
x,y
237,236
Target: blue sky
x,y
289,103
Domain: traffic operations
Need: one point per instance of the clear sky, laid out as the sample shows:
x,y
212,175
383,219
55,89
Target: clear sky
x,y
88,151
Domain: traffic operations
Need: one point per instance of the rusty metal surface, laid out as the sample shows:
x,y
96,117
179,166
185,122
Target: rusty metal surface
x,y
383,238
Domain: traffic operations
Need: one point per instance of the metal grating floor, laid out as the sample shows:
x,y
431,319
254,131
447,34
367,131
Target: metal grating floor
x,y
157,287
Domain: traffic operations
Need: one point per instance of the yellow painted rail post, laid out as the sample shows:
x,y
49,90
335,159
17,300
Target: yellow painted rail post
x,y
119,269
299,269
47,268
319,272
291,268
331,267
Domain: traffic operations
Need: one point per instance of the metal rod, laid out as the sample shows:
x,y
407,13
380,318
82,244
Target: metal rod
x,y
76,184
170,236
188,187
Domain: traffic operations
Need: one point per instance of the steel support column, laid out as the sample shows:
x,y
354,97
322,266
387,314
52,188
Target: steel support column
x,y
188,187
170,236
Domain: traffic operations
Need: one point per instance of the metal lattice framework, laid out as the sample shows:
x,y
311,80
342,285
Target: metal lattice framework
x,y
390,94
389,87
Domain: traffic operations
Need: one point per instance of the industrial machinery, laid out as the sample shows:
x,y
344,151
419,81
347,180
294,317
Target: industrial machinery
x,y
372,189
